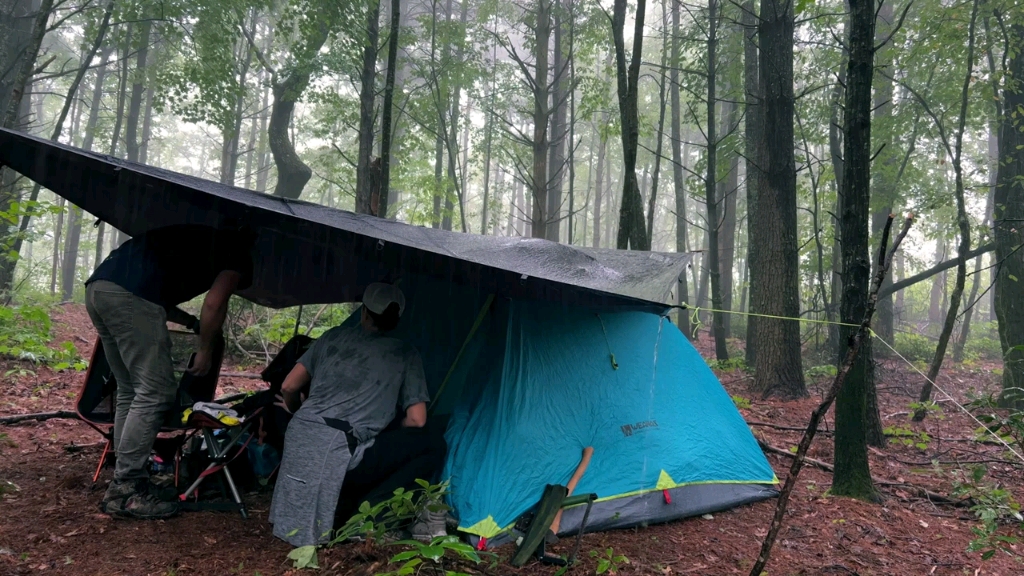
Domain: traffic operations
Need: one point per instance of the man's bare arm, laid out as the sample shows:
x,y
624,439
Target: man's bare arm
x,y
415,416
294,382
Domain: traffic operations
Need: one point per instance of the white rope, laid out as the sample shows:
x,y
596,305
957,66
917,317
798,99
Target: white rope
x,y
951,399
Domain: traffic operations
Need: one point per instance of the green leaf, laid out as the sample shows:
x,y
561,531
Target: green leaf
x,y
304,557
432,552
403,556
987,555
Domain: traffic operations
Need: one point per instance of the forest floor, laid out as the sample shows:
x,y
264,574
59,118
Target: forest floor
x,y
50,522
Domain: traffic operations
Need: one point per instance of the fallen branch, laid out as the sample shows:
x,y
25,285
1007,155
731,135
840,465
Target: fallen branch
x,y
68,414
788,428
920,492
40,416
819,463
837,384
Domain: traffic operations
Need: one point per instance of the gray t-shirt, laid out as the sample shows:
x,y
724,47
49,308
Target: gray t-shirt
x,y
362,378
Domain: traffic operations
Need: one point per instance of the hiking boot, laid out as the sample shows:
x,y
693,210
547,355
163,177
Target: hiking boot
x,y
429,525
116,495
146,505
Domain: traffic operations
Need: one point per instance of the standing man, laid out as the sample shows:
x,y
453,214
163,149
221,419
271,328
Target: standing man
x,y
359,377
130,297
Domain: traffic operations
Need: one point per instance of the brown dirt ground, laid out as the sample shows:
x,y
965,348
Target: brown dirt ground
x,y
51,523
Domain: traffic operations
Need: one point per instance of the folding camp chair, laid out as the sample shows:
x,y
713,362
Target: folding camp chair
x,y
96,400
222,449
537,526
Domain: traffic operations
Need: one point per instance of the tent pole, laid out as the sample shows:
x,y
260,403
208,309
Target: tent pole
x,y
472,332
298,320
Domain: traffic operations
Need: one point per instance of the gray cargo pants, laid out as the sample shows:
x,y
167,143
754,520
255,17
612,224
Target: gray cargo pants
x,y
138,347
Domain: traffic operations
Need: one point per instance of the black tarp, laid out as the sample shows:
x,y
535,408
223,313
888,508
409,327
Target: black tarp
x,y
312,254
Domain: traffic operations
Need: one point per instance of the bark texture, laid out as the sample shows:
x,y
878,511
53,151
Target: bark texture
x,y
852,473
632,230
1009,227
778,364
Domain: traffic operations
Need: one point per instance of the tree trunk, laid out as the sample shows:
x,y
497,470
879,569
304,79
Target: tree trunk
x,y
852,474
938,287
367,93
16,38
632,230
1009,228
778,366
570,229
147,126
713,263
602,149
752,126
541,114
835,142
652,203
993,157
556,160
131,129
25,66
488,137
14,113
232,134
262,158
727,192
963,222
386,121
965,327
250,153
451,141
292,172
520,213
886,165
901,272
8,268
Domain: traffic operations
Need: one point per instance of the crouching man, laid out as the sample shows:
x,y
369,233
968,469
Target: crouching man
x,y
357,378
130,297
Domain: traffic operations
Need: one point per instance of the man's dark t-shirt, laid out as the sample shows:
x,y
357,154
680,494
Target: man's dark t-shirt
x,y
168,266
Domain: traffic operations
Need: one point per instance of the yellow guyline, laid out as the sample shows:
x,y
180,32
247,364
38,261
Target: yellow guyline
x,y
695,320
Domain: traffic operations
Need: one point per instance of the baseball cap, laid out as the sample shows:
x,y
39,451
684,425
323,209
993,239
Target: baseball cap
x,y
378,296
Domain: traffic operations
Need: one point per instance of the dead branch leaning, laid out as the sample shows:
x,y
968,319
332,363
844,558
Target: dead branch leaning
x,y
884,261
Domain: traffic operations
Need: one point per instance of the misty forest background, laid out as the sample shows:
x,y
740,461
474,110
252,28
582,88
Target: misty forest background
x,y
772,139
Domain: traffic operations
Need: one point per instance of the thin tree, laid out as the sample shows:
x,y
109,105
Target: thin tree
x,y
678,180
632,231
387,130
955,150
713,265
367,94
852,475
652,200
751,149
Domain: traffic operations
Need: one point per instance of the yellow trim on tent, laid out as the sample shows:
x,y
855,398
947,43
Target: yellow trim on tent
x,y
488,528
